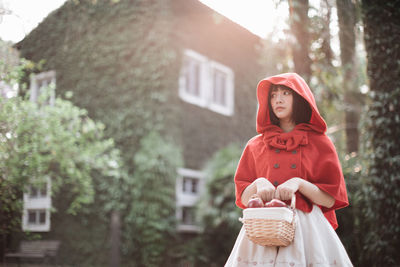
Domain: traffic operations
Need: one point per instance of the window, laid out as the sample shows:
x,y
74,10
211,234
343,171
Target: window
x,y
37,191
43,82
188,216
206,83
222,89
189,186
37,217
37,205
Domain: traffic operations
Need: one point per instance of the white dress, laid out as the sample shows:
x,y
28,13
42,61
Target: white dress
x,y
315,244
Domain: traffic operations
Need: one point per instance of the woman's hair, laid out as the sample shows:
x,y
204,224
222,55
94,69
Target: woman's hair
x,y
301,109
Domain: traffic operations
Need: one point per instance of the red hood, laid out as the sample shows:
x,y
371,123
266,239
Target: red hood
x,y
295,82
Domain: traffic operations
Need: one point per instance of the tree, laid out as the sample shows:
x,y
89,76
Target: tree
x,y
382,40
59,142
299,26
346,10
325,33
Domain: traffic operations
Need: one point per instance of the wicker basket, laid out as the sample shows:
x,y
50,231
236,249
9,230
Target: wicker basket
x,y
270,226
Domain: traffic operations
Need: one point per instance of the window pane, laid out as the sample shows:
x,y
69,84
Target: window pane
x,y
196,79
184,185
187,215
33,192
195,183
192,76
43,190
32,216
219,92
42,217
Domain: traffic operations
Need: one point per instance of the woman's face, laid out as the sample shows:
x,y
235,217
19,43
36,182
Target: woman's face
x,y
282,103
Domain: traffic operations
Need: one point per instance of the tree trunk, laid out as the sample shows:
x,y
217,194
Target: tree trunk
x,y
382,40
347,26
299,26
326,48
115,239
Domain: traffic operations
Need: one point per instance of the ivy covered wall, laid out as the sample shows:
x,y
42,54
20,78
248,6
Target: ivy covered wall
x,y
382,193
122,59
116,59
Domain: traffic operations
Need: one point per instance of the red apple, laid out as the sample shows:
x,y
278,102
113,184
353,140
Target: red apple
x,y
275,203
255,203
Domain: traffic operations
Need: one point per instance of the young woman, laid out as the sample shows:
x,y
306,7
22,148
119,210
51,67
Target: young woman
x,y
292,155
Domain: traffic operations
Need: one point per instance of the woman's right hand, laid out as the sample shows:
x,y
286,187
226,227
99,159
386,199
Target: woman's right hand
x,y
265,189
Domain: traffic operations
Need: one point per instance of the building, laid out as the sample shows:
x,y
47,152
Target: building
x,y
113,53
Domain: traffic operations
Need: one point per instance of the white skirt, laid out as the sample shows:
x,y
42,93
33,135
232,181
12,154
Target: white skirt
x,y
315,244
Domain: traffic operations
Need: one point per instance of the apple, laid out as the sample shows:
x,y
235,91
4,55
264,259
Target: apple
x,y
275,203
255,203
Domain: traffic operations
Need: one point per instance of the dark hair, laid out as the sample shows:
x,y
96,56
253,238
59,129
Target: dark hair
x,y
301,109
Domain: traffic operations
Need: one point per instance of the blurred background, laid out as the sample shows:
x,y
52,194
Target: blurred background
x,y
122,123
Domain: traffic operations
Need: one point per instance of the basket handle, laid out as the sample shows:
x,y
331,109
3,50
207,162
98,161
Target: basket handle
x,y
293,202
293,207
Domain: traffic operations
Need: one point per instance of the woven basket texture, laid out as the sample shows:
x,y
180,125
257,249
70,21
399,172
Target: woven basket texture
x,y
271,232
266,232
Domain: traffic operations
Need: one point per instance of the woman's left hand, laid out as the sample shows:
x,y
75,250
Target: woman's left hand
x,y
286,190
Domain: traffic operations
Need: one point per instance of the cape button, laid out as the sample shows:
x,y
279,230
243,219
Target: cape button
x,y
293,166
294,152
276,183
277,150
276,165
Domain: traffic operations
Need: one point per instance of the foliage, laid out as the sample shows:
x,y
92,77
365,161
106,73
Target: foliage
x,y
63,143
217,212
59,142
351,219
9,63
150,221
382,194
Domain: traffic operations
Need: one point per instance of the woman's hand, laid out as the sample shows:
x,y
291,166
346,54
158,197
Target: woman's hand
x,y
309,190
265,189
286,190
262,187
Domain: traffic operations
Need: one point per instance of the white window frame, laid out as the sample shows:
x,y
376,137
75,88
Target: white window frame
x,y
37,203
49,77
183,93
187,199
206,84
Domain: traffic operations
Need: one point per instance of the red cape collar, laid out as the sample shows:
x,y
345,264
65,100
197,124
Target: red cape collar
x,y
275,137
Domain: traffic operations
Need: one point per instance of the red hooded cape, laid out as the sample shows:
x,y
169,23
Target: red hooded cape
x,y
305,152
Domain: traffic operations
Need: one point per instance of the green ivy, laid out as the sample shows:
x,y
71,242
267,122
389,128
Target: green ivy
x,y
123,79
382,194
150,223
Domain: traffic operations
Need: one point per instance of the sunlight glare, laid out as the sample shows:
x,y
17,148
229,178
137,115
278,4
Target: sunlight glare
x,y
261,17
